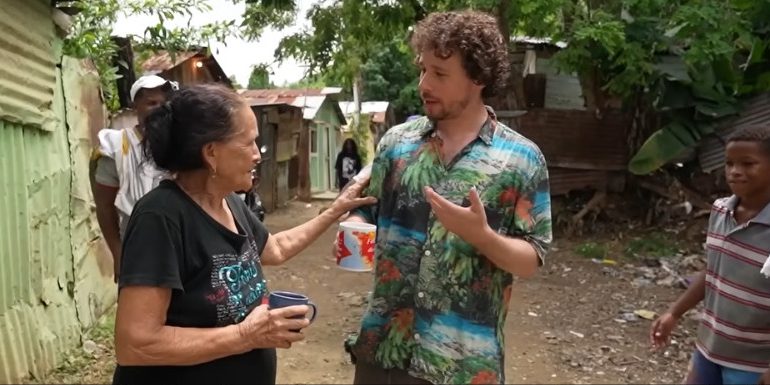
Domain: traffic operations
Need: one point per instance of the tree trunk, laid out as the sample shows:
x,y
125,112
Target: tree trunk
x,y
357,80
304,193
124,61
512,98
568,13
502,19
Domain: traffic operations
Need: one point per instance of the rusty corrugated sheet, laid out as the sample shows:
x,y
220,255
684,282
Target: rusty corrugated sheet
x,y
271,101
162,61
92,260
27,63
582,151
282,93
563,180
164,65
711,152
309,99
578,139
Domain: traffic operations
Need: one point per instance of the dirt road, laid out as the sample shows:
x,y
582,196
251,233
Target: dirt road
x,y
573,323
564,326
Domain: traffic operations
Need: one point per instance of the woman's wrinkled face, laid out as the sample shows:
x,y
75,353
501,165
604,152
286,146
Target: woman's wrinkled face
x,y
238,155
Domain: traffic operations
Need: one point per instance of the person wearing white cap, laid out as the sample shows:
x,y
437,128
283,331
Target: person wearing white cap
x,y
123,174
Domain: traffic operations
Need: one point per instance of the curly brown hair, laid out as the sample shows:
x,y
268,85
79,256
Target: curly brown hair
x,y
475,36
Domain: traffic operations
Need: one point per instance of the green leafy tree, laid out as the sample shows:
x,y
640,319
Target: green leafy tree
x,y
390,75
234,82
366,39
317,81
93,26
260,77
345,35
690,62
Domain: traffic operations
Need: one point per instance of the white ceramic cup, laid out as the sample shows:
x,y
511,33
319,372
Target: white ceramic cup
x,y
355,246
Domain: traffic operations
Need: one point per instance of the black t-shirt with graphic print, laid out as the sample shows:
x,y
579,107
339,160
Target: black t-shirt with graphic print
x,y
215,276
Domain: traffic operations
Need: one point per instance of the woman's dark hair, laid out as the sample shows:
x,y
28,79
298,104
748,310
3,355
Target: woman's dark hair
x,y
176,132
474,36
352,144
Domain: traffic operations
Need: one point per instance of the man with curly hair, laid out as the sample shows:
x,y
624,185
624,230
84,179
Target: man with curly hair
x,y
463,206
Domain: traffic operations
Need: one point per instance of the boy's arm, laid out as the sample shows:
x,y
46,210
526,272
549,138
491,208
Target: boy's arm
x,y
691,297
765,379
661,328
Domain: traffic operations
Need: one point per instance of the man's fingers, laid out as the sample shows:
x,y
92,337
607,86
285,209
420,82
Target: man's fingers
x,y
434,199
435,206
473,197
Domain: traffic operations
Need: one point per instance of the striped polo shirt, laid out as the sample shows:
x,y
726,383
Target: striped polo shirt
x,y
735,326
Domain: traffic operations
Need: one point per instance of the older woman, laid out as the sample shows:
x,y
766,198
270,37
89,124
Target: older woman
x,y
192,292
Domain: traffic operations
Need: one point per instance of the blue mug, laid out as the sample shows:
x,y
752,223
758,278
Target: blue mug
x,y
279,299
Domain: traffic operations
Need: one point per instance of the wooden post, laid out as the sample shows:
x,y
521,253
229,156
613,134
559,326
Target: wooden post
x,y
124,61
304,161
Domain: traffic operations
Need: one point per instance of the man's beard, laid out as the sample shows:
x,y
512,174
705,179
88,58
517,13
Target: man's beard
x,y
453,110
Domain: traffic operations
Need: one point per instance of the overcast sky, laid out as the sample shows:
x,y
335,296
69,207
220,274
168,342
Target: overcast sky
x,y
236,56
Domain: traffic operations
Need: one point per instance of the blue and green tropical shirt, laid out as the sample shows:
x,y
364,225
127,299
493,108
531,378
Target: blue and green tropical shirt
x,y
438,307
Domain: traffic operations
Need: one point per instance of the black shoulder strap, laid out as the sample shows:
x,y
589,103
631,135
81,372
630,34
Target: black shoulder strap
x,y
255,230
238,207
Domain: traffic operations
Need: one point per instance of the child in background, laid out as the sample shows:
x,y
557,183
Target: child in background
x,y
733,344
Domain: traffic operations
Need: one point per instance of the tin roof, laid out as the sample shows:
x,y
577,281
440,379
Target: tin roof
x,y
711,150
378,110
162,61
310,100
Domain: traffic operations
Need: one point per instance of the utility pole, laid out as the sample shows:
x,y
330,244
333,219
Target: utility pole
x,y
303,156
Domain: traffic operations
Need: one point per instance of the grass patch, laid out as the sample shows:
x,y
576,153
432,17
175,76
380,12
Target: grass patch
x,y
592,250
655,244
648,245
81,367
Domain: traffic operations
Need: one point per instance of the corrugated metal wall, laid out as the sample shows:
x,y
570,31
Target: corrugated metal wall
x,y
28,45
94,290
562,91
711,151
38,319
51,283
582,151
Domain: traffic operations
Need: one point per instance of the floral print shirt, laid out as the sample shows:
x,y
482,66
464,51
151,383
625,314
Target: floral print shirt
x,y
438,307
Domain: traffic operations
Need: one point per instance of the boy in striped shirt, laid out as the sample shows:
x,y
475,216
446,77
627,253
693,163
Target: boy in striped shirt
x,y
733,345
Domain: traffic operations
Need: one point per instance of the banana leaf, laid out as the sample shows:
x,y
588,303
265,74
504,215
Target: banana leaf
x,y
662,146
